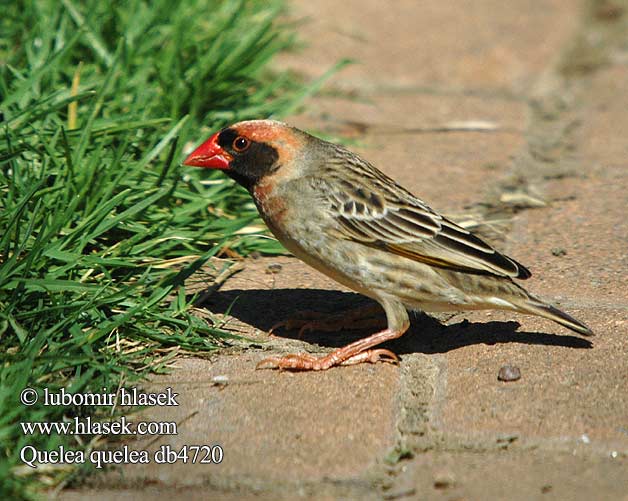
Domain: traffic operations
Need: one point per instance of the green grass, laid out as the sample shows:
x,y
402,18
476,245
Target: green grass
x,y
100,226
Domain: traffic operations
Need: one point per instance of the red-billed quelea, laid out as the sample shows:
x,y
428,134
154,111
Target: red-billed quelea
x,y
350,221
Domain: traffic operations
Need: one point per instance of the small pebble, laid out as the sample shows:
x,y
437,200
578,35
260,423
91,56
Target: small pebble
x,y
559,251
509,373
273,268
220,380
444,480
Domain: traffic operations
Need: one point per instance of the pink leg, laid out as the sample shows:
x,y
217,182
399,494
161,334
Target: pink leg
x,y
354,353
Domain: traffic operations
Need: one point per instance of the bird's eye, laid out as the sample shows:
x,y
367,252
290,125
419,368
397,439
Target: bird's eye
x,y
241,143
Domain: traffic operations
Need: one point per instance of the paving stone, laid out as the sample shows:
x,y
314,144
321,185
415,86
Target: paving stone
x,y
513,476
275,425
567,391
576,248
480,44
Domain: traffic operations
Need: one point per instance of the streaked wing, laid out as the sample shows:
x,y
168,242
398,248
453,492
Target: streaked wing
x,y
372,209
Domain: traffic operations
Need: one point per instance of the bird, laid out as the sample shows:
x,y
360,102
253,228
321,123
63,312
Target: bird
x,y
347,219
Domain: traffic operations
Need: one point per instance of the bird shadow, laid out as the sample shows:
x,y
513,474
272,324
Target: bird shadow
x,y
264,308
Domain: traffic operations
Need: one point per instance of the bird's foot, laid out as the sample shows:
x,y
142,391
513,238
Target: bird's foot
x,y
307,362
358,318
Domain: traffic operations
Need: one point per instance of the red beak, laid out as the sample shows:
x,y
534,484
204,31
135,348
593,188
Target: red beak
x,y
209,154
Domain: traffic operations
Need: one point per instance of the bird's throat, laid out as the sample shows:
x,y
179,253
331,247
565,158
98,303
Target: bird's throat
x,y
270,206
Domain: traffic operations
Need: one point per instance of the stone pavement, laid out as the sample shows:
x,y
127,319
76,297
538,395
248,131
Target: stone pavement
x,y
514,110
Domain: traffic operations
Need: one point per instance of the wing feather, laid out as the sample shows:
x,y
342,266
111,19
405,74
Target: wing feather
x,y
372,209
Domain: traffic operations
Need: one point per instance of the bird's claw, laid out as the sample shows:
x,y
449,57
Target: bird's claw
x,y
307,362
268,363
372,357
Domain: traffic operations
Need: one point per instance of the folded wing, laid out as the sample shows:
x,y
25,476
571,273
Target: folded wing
x,y
373,210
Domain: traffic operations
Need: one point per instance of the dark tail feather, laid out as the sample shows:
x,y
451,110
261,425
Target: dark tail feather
x,y
549,311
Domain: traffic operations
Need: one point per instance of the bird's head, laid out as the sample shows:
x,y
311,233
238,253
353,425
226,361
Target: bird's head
x,y
249,151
